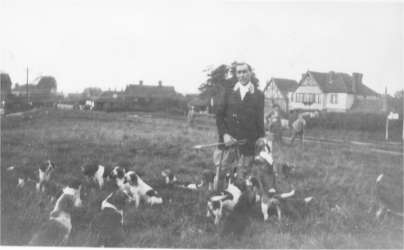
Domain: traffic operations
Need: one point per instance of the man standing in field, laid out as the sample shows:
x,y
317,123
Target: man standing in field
x,y
298,128
240,116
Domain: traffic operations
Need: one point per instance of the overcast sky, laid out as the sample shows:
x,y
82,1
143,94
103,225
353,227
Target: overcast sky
x,y
110,44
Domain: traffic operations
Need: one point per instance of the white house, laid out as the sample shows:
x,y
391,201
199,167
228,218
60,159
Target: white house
x,y
332,91
277,92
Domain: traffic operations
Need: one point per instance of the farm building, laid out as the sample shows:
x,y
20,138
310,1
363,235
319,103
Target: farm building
x,y
141,98
38,96
277,92
335,92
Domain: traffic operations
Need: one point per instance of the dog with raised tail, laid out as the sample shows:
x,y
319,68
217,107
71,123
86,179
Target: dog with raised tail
x,y
56,231
139,191
108,224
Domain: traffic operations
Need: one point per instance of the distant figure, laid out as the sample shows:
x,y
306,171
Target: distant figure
x,y
298,128
191,116
275,125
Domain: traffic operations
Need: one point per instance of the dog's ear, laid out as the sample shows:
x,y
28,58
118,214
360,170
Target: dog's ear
x,y
44,166
89,169
132,179
66,204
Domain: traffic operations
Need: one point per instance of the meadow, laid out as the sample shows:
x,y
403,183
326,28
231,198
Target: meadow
x,y
335,176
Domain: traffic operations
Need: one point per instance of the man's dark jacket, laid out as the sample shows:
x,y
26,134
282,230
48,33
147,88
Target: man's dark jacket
x,y
242,119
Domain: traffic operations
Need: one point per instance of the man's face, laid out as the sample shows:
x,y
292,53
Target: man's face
x,y
243,74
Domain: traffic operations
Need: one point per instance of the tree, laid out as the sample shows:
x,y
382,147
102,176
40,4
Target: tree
x,y
221,78
92,92
5,83
399,94
47,83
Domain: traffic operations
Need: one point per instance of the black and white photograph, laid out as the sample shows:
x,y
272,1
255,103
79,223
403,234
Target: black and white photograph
x,y
191,124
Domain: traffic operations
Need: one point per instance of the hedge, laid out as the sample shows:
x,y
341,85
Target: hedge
x,y
353,121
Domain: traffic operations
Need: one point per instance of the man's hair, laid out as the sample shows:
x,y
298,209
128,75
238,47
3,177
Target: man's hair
x,y
243,63
254,79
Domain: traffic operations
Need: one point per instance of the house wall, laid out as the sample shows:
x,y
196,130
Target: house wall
x,y
274,96
344,102
307,89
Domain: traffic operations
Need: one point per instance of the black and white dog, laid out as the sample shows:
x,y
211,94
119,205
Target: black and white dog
x,y
99,174
45,172
223,202
108,224
389,197
171,179
24,174
56,230
140,191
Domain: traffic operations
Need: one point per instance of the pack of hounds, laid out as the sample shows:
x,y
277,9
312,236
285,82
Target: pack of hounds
x,y
232,204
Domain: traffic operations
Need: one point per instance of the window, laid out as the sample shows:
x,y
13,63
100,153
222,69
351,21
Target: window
x,y
299,97
318,98
334,98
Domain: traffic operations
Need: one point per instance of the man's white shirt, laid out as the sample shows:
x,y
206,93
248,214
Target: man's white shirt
x,y
244,89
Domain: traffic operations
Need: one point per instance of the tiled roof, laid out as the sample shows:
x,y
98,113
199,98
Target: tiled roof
x,y
150,91
337,82
284,85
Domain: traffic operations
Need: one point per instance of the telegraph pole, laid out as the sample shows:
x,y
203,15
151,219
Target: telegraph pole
x,y
27,87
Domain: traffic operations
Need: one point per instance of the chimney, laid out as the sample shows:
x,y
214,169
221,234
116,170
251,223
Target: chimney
x,y
357,80
331,77
385,105
160,83
141,82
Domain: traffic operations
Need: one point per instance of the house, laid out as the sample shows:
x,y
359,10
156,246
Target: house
x,y
277,92
139,97
37,96
333,91
144,94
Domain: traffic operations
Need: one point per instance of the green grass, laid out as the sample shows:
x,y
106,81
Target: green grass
x,y
332,174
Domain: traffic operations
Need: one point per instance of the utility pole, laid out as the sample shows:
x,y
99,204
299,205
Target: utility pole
x,y
27,87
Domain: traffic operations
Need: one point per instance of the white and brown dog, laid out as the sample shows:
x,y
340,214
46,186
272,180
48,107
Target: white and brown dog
x,y
223,202
56,230
171,179
140,191
108,224
45,172
22,174
99,174
272,200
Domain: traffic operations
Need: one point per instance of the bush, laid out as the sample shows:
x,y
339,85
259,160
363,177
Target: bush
x,y
354,121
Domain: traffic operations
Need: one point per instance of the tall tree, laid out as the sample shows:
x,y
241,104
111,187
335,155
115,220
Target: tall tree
x,y
92,92
47,83
221,78
5,83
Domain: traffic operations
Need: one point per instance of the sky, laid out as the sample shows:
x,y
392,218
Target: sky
x,y
113,43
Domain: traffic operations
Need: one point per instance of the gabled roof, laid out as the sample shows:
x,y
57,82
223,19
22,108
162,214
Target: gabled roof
x,y
284,85
337,82
150,91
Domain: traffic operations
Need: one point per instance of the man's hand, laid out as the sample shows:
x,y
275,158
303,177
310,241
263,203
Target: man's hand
x,y
228,140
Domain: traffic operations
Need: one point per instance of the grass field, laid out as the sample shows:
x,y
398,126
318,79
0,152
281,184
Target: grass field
x,y
333,175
